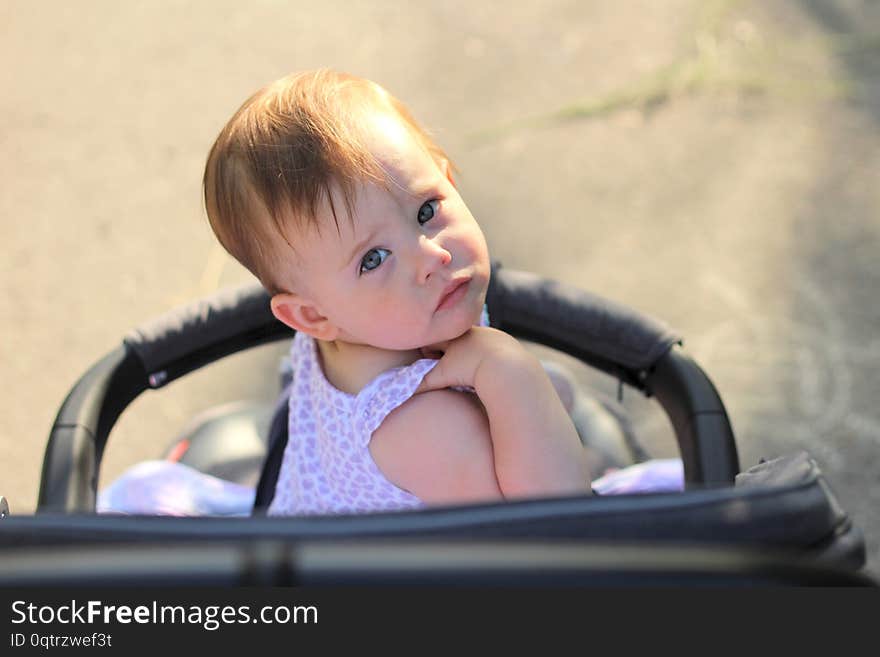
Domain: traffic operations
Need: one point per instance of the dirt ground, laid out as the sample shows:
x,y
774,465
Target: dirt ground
x,y
715,164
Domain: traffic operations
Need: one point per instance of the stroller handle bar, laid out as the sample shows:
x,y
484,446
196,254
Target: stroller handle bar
x,y
640,351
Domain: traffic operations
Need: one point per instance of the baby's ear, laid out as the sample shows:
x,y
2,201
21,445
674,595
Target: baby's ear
x,y
301,315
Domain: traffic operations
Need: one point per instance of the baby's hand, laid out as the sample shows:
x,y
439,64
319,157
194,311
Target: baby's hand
x,y
476,357
536,449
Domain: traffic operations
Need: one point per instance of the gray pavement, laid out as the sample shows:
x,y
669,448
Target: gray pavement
x,y
715,164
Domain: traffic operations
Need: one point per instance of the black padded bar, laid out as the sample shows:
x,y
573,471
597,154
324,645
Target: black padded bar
x,y
700,422
785,502
602,333
194,335
76,442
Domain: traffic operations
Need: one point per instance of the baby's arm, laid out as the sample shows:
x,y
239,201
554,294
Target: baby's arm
x,y
437,446
537,451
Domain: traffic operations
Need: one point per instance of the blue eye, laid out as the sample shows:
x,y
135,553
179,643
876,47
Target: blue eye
x,y
373,259
427,212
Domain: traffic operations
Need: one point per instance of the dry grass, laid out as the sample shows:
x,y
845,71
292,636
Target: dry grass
x,y
726,54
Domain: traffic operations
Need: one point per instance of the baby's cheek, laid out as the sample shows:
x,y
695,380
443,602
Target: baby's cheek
x,y
476,249
398,330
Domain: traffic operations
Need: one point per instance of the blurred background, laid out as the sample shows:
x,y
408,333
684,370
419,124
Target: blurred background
x,y
713,163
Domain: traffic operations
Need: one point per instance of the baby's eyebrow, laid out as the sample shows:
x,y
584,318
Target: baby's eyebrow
x,y
420,188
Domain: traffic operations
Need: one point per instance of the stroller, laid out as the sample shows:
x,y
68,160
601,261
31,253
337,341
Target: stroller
x,y
777,523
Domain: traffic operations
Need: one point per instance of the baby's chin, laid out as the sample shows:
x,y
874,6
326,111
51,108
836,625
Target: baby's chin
x,y
454,330
427,343
433,334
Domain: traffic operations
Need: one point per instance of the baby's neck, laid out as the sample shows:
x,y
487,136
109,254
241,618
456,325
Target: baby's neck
x,y
349,367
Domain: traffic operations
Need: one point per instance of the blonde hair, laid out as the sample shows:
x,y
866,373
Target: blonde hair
x,y
281,153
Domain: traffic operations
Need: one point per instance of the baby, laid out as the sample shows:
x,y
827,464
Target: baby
x,y
324,186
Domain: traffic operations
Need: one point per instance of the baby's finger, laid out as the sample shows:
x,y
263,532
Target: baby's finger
x,y
433,380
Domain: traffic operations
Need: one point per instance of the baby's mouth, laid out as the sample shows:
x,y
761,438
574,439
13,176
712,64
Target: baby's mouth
x,y
453,293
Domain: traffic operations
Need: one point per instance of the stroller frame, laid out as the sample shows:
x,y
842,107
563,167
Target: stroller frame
x,y
780,523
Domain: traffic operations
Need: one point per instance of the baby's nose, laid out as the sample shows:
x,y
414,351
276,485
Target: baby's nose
x,y
434,256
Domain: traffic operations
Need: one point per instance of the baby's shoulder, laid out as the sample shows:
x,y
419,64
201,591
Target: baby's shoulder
x,y
437,445
438,408
437,416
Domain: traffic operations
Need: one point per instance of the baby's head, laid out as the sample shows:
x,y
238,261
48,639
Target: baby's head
x,y
329,192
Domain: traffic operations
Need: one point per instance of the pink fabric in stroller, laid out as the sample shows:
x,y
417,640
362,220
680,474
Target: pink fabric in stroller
x,y
169,488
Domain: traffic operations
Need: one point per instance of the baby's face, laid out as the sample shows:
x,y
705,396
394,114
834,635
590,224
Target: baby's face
x,y
412,269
